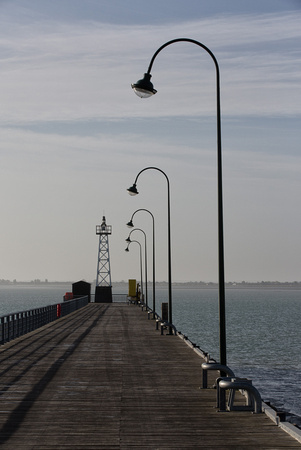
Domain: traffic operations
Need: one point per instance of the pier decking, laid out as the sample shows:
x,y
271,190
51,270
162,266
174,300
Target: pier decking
x,y
104,378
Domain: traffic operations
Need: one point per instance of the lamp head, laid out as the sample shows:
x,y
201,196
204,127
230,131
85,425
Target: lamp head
x,y
133,190
128,239
127,249
130,224
144,88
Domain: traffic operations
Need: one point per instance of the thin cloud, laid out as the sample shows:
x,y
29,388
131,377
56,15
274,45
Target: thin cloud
x,y
63,71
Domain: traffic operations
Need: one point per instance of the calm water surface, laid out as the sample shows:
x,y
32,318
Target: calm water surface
x,y
22,297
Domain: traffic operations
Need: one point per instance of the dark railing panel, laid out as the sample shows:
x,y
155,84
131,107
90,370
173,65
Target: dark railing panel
x,y
17,324
73,305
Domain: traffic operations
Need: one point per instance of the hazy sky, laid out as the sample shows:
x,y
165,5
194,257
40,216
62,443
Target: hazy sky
x,y
74,136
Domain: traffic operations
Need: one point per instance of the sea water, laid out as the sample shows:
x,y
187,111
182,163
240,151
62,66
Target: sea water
x,y
17,298
263,330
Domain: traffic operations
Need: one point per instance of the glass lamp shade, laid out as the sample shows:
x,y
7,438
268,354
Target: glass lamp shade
x,y
133,190
144,88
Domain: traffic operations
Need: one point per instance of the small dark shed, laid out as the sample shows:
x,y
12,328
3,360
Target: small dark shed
x,y
81,289
103,294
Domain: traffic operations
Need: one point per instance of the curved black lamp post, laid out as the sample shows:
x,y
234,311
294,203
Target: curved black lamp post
x,y
144,88
127,250
128,239
133,191
131,225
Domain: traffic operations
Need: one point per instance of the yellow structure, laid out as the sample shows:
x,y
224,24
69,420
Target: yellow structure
x,y
132,288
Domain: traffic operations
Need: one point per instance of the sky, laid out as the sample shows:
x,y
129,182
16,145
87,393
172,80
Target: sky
x,y
74,136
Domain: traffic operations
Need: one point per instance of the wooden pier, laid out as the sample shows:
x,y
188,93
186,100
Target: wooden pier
x,y
103,377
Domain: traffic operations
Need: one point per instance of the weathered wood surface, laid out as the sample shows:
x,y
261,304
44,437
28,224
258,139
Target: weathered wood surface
x,y
104,378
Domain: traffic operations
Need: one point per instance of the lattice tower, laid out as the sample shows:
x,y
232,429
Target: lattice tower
x,y
103,277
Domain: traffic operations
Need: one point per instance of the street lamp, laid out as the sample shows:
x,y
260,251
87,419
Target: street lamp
x,y
145,256
133,191
144,88
131,225
141,278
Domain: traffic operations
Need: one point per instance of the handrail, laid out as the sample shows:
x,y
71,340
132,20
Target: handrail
x,y
17,324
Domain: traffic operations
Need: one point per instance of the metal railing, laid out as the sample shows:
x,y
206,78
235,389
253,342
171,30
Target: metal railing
x,y
17,324
116,298
119,298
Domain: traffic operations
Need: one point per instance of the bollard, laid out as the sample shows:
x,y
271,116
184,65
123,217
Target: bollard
x,y
214,366
239,384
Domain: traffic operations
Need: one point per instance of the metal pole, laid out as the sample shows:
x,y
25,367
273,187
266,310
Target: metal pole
x,y
154,259
141,277
168,238
145,264
221,269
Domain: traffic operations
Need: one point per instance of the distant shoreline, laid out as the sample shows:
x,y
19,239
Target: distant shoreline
x,y
230,285
164,284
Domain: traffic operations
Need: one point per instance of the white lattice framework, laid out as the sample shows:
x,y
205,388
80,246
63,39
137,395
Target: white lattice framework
x,y
103,277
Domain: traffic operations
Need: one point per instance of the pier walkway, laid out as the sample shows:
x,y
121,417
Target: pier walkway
x,y
104,378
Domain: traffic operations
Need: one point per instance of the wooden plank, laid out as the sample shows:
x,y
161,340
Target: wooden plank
x,y
104,378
